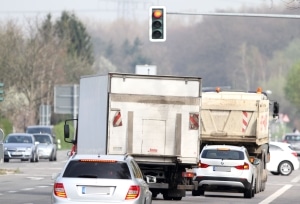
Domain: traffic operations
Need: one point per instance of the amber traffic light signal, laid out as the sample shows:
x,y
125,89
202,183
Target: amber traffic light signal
x,y
157,24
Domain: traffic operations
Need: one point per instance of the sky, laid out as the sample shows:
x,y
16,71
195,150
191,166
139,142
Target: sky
x,y
112,9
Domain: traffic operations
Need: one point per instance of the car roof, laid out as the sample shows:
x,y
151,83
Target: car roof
x,y
97,156
231,147
280,144
292,133
20,134
40,126
45,134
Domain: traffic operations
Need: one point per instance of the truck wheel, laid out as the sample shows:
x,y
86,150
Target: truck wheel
x,y
166,197
263,186
6,160
177,198
198,192
275,173
285,168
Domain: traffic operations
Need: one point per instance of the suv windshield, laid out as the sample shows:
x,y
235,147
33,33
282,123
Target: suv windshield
x,y
115,170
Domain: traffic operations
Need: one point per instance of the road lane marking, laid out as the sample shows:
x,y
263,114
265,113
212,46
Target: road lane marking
x,y
295,180
27,189
276,194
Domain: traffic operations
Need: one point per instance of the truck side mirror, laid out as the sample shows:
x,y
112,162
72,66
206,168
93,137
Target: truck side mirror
x,y
275,109
66,131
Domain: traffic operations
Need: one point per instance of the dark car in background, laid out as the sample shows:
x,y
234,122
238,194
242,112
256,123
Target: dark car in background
x,y
47,149
294,140
20,146
41,129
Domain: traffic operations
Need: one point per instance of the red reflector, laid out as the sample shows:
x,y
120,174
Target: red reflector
x,y
59,190
188,174
133,193
295,154
243,167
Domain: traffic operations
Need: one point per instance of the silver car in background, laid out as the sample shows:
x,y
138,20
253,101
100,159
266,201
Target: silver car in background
x,y
47,148
101,179
20,146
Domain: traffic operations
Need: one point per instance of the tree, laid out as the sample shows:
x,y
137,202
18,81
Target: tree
x,y
292,87
69,28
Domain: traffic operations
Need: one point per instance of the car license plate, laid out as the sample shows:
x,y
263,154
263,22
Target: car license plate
x,y
95,190
222,168
16,153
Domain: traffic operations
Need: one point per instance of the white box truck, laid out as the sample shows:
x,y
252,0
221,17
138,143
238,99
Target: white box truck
x,y
242,119
153,118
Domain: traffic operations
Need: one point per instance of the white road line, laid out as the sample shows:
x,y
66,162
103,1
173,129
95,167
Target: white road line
x,y
27,189
295,180
276,194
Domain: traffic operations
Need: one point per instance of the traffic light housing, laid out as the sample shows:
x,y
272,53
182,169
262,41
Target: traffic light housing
x,y
1,91
157,24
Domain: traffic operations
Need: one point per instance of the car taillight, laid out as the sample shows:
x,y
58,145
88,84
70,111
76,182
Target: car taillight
x,y
59,190
295,154
133,192
245,166
202,165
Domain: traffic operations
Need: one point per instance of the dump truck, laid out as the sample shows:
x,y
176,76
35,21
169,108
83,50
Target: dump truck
x,y
239,118
153,118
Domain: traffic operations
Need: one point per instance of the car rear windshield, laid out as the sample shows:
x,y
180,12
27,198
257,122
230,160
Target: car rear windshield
x,y
223,154
80,169
292,138
38,130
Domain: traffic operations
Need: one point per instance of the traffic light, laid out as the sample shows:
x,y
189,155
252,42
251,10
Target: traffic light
x,y
1,91
157,24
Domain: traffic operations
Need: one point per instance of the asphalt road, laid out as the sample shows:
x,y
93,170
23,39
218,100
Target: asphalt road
x,y
32,184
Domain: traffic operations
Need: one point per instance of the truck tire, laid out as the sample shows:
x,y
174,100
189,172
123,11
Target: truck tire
x,y
198,192
166,197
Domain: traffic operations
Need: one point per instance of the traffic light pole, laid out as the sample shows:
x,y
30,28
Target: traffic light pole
x,y
239,14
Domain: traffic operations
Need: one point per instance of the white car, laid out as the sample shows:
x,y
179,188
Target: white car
x,y
283,160
101,179
226,168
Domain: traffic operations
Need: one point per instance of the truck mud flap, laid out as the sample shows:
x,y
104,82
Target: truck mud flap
x,y
159,185
264,175
186,187
176,193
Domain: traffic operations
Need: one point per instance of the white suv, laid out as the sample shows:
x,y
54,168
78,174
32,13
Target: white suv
x,y
225,167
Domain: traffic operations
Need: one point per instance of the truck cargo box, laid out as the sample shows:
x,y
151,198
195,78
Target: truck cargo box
x,y
154,118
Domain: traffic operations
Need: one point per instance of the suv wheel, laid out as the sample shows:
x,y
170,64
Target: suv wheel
x,y
248,193
285,168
